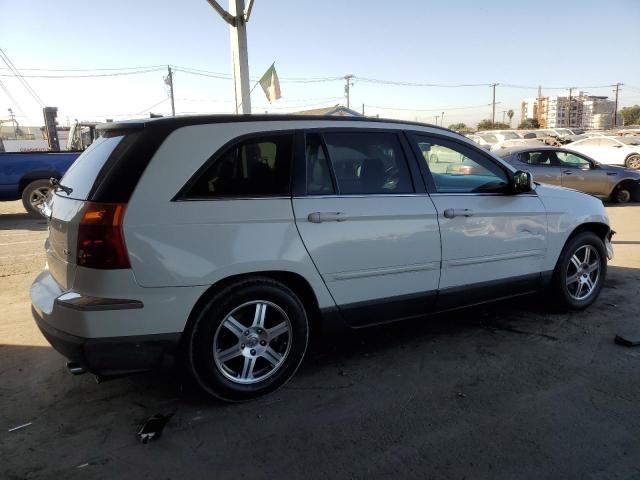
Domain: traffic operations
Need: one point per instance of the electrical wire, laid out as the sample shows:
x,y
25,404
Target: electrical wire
x,y
8,94
24,83
442,109
152,106
92,75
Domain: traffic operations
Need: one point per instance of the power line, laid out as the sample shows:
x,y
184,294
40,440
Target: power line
x,y
24,83
446,109
152,106
415,84
8,94
89,75
85,69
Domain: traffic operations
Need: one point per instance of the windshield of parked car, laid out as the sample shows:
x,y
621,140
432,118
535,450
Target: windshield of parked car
x,y
629,140
510,135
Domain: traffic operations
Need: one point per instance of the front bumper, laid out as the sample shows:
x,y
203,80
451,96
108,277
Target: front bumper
x,y
113,355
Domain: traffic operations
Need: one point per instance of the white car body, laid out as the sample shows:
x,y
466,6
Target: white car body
x,y
608,150
386,257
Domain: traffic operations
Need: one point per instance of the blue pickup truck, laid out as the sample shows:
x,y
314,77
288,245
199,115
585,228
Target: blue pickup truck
x,y
26,176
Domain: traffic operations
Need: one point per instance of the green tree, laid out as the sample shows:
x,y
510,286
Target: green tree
x,y
459,127
631,115
529,123
488,125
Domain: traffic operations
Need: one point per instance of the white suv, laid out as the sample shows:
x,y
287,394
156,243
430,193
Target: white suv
x,y
223,241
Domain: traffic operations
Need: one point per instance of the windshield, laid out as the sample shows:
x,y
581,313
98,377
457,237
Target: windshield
x,y
510,135
563,131
629,140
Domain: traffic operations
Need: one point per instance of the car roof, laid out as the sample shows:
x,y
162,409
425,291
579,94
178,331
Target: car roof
x,y
187,120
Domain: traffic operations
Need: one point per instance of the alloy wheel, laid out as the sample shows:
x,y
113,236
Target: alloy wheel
x,y
583,272
252,342
38,196
634,162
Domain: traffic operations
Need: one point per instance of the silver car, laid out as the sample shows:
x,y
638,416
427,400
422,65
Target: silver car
x,y
558,166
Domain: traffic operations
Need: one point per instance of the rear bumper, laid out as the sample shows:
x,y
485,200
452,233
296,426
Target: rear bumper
x,y
112,355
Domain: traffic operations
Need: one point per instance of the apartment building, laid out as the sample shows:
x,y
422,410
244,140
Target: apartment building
x,y
579,110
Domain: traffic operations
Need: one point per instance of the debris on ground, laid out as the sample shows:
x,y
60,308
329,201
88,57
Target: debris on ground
x,y
628,340
20,427
152,428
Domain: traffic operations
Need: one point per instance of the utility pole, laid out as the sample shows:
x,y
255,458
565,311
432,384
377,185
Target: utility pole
x,y
347,87
442,120
169,81
493,111
13,120
436,117
363,109
237,18
615,108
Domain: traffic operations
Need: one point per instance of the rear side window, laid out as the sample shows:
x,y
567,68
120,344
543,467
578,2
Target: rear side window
x,y
84,172
368,163
260,166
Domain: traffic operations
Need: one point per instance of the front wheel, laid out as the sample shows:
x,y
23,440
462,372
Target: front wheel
x,y
580,272
248,340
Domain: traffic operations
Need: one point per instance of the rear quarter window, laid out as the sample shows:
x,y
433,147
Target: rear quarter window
x,y
255,167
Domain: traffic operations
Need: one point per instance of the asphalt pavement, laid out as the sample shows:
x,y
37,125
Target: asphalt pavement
x,y
500,392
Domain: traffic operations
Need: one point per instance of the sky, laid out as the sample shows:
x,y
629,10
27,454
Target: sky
x,y
585,44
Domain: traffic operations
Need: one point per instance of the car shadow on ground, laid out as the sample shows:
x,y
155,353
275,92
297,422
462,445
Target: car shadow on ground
x,y
21,221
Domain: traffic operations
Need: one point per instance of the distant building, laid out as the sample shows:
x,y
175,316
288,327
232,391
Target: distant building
x,y
336,111
586,111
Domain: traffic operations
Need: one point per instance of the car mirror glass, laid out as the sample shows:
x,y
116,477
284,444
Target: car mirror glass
x,y
522,181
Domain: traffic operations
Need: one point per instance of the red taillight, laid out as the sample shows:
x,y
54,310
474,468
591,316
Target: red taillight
x,y
100,239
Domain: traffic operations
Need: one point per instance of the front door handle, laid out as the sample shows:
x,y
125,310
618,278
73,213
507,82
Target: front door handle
x,y
457,212
567,172
319,217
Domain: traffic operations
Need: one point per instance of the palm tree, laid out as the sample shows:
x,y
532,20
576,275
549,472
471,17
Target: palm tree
x,y
510,115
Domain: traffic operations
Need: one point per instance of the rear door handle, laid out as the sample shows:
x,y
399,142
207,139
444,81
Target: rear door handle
x,y
457,212
319,217
567,172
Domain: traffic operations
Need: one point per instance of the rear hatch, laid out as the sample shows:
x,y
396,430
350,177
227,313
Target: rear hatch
x,y
66,207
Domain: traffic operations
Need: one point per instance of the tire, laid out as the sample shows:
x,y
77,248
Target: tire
x,y
633,161
621,194
571,265
34,196
258,359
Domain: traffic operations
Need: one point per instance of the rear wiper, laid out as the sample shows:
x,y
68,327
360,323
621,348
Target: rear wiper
x,y
55,183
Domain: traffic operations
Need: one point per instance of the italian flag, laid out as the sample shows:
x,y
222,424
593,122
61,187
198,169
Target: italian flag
x,y
270,84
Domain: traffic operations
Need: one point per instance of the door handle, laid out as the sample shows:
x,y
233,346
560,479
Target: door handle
x,y
612,173
319,217
567,172
457,212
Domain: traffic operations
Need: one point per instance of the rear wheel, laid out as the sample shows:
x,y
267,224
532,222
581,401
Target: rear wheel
x,y
34,195
633,161
580,272
621,194
248,340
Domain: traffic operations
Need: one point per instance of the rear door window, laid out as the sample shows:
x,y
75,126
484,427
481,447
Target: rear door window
x,y
83,173
368,163
259,166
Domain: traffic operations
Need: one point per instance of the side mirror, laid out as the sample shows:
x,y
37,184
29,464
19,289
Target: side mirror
x,y
522,181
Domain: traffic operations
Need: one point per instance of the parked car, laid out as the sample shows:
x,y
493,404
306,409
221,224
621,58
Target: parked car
x,y
225,241
611,150
558,166
26,175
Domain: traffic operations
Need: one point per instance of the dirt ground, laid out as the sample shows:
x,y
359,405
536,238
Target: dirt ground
x,y
500,392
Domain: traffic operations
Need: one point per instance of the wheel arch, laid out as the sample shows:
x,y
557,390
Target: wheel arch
x,y
37,175
294,281
600,229
632,185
